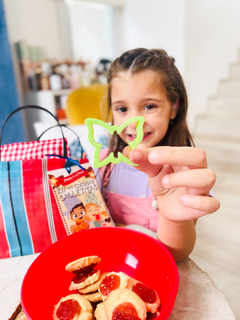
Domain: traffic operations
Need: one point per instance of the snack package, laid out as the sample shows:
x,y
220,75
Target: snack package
x,y
79,198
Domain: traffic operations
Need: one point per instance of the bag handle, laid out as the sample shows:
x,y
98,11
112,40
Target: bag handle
x,y
64,126
33,107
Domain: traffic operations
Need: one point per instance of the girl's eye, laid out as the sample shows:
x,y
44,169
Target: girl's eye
x,y
121,109
149,107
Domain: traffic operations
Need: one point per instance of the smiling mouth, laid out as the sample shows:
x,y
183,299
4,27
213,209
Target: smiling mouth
x,y
133,136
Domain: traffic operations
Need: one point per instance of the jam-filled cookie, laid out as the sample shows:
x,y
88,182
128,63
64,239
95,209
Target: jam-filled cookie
x,y
100,312
93,297
84,279
83,264
95,286
148,295
74,307
84,271
124,304
112,281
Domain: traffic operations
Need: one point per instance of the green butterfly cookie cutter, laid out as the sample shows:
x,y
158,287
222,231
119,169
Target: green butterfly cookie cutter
x,y
110,158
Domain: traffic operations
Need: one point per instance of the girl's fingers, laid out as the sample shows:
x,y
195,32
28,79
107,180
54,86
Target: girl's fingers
x,y
179,156
174,156
202,204
151,160
140,157
196,178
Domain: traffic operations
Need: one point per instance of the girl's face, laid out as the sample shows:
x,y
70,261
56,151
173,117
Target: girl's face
x,y
140,94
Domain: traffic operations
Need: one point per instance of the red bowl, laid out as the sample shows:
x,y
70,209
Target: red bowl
x,y
132,252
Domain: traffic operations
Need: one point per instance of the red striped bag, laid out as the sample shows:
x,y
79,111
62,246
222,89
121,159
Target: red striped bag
x,y
33,149
29,217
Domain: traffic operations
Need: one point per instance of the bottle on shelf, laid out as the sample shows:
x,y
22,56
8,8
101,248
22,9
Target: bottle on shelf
x,y
55,80
32,81
44,78
63,70
38,72
75,76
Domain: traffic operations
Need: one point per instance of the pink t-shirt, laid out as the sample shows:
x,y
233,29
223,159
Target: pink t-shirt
x,y
129,197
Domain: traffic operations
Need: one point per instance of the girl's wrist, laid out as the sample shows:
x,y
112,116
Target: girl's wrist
x,y
178,236
177,223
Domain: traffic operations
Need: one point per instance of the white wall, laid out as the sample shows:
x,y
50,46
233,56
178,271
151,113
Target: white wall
x,y
35,21
212,42
203,36
90,30
151,24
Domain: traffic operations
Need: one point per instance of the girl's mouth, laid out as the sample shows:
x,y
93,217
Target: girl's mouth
x,y
133,136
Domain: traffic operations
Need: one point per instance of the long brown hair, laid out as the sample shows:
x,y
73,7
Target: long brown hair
x,y
140,59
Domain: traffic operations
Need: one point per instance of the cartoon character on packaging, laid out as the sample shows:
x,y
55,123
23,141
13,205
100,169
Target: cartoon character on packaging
x,y
94,214
78,216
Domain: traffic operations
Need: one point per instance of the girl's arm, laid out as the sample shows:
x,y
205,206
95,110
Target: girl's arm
x,y
178,237
179,178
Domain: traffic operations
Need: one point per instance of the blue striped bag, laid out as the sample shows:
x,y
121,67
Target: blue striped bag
x,y
29,217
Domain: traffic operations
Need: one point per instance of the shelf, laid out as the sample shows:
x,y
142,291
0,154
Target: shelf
x,y
48,99
59,92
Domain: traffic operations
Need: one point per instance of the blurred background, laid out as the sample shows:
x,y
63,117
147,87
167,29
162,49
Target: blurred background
x,y
50,48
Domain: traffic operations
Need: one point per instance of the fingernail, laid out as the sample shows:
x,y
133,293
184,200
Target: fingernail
x,y
153,155
165,180
137,155
184,199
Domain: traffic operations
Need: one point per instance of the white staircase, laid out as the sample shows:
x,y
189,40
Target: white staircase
x,y
218,237
218,132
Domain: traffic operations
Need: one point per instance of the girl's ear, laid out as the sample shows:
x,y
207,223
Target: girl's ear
x,y
174,111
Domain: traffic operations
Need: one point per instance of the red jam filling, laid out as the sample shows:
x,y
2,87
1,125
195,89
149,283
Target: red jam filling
x,y
68,309
125,311
80,277
109,283
145,293
84,269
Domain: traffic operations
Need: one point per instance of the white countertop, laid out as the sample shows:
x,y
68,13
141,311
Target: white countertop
x,y
12,272
198,298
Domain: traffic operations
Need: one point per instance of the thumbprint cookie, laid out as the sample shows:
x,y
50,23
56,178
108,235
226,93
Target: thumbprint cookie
x,y
84,272
112,281
148,295
74,307
83,279
83,264
124,304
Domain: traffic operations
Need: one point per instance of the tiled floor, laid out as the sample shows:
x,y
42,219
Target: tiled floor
x,y
217,249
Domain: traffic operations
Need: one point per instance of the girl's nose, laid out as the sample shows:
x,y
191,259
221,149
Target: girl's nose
x,y
133,125
133,115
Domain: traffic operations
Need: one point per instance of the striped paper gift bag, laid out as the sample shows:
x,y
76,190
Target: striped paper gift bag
x,y
29,217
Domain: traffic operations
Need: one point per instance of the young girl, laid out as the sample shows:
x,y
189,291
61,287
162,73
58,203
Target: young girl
x,y
169,189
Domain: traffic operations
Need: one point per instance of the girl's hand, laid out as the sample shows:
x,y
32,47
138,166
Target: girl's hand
x,y
179,178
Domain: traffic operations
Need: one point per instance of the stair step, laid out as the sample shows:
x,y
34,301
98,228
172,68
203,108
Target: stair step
x,y
220,151
226,107
218,127
218,131
234,71
229,88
